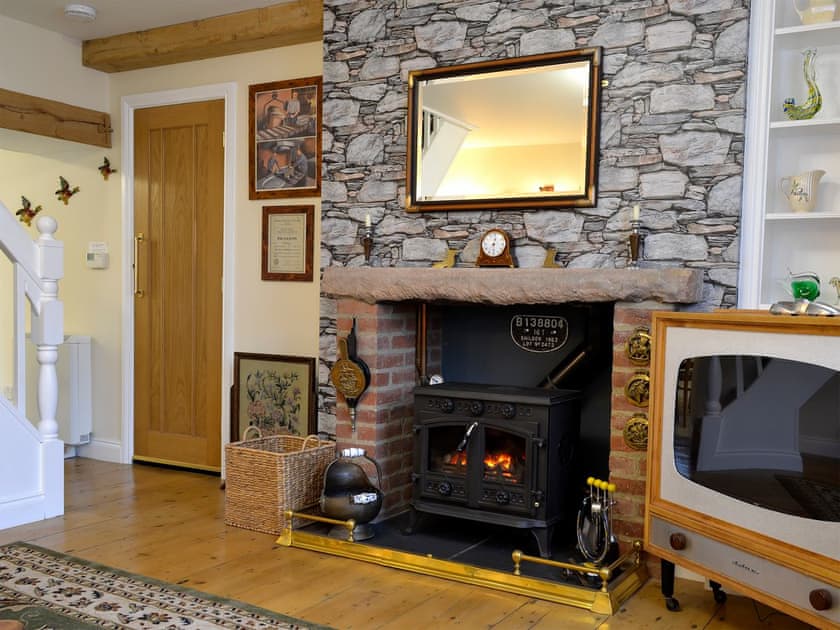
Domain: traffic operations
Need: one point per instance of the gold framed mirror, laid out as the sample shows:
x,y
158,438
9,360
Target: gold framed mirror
x,y
512,133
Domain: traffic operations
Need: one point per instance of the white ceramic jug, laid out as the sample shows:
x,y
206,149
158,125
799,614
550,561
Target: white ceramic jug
x,y
815,11
801,190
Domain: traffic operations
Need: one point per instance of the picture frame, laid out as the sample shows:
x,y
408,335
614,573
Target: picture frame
x,y
287,242
274,393
284,122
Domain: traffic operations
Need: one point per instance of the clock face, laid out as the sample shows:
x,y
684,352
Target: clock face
x,y
493,244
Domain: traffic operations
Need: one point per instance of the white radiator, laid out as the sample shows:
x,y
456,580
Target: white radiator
x,y
74,413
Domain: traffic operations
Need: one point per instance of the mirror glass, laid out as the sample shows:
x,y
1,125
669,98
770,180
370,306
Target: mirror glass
x,y
511,133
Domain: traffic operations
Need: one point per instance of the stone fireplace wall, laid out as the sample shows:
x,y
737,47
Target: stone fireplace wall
x,y
671,140
672,124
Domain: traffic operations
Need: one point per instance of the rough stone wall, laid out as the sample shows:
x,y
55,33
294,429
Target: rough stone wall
x,y
672,121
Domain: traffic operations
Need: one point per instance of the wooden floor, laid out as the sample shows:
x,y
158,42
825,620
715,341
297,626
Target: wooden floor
x,y
169,525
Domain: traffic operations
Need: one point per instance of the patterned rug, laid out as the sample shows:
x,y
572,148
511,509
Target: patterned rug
x,y
44,589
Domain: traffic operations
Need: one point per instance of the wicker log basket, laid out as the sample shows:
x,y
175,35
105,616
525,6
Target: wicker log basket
x,y
269,475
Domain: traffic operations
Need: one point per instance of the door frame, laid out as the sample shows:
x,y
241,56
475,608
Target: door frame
x,y
129,104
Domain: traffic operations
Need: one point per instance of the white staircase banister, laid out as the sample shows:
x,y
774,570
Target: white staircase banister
x,y
15,242
37,267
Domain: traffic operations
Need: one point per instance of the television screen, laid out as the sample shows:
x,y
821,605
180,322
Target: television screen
x,y
763,430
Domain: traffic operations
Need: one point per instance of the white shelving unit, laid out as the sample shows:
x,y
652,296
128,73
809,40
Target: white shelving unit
x,y
773,238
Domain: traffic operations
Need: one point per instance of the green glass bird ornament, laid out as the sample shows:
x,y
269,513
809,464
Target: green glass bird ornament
x,y
813,104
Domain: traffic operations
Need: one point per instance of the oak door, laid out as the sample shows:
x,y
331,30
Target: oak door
x,y
178,204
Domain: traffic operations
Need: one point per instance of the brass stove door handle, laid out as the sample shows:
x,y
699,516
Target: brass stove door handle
x,y
139,238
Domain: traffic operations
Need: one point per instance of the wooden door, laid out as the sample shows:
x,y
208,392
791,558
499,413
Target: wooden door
x,y
178,204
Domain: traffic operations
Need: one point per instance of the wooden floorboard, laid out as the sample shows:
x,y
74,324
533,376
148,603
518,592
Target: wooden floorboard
x,y
169,525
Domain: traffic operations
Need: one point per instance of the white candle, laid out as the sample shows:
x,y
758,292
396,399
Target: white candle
x,y
636,212
367,220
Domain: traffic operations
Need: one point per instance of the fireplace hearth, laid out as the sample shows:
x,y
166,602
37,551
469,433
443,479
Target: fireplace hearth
x,y
385,303
496,454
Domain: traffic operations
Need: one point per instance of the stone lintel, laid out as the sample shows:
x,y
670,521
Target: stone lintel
x,y
513,286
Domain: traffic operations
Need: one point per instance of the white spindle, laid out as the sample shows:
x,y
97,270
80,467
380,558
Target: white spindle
x,y
48,325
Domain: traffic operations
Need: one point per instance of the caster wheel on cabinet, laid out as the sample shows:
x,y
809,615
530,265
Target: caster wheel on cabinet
x,y
717,592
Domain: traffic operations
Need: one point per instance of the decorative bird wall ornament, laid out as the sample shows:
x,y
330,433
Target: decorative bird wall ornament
x,y
65,192
106,169
813,104
27,212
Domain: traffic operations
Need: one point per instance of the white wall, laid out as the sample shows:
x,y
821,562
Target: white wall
x,y
87,293
270,317
45,64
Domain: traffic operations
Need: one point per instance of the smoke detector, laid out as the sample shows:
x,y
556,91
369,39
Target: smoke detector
x,y
80,12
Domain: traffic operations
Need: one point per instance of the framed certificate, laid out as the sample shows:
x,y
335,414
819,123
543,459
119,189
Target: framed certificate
x,y
287,235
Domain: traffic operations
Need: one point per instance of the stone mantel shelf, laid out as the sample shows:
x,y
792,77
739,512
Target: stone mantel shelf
x,y
513,286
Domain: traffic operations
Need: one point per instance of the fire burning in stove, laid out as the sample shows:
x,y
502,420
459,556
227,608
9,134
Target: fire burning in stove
x,y
503,462
503,466
459,460
498,466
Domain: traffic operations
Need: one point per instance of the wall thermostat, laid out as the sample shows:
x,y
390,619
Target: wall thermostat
x,y
97,255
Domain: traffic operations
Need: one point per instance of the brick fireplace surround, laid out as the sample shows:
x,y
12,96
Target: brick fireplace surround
x,y
383,301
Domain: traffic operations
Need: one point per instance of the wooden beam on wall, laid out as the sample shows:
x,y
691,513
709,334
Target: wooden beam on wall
x,y
54,119
257,29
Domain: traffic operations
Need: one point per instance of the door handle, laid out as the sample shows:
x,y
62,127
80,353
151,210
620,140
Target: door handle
x,y
139,238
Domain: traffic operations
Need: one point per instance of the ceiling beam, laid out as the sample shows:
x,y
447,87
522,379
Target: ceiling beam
x,y
257,29
54,119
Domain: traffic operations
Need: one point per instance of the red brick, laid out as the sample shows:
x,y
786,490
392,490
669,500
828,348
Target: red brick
x,y
628,488
368,434
628,530
355,308
624,466
388,361
404,341
380,379
401,324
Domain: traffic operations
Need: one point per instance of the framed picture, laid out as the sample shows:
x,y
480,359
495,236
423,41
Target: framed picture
x,y
273,393
284,121
287,242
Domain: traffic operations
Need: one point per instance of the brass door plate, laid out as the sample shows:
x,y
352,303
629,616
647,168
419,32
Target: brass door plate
x,y
638,346
637,390
636,432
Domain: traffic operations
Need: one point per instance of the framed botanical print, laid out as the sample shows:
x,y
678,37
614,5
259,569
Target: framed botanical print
x,y
287,242
284,119
273,393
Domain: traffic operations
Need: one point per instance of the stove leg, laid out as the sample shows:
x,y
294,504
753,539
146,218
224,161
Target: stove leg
x,y
413,521
671,602
543,536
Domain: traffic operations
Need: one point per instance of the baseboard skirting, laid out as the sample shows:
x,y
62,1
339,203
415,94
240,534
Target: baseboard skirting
x,y
22,510
105,450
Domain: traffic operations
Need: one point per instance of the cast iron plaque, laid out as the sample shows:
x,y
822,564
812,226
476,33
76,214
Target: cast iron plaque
x,y
539,333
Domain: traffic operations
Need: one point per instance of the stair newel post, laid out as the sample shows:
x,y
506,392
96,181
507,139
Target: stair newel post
x,y
47,335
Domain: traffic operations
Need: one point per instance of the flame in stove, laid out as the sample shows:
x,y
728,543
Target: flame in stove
x,y
502,462
457,459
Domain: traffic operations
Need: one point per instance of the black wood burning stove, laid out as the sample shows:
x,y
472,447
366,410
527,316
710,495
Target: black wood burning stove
x,y
496,454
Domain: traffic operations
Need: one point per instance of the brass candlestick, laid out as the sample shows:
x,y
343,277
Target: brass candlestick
x,y
634,243
367,242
